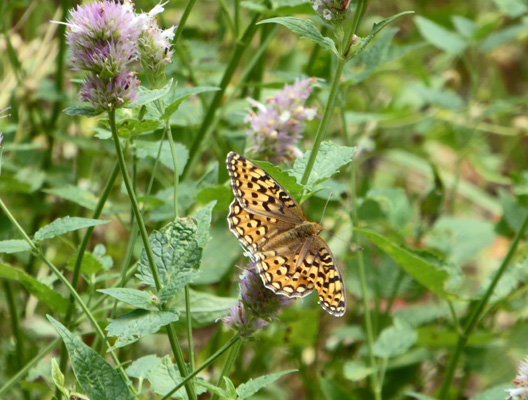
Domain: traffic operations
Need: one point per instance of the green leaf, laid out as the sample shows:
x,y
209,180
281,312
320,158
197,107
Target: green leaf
x,y
14,246
378,26
464,26
181,94
90,264
252,386
130,327
213,389
305,29
355,371
165,376
97,377
494,393
44,293
178,281
329,159
58,378
205,308
203,221
75,194
512,8
64,225
501,37
443,98
230,389
439,36
285,179
131,127
141,367
420,269
175,248
394,341
81,110
148,95
514,213
150,149
220,194
420,396
134,297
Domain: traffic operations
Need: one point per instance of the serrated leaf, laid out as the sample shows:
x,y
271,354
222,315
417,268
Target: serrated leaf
x,y
420,269
134,297
378,27
64,225
149,95
179,280
150,149
97,377
175,248
141,367
181,94
81,110
285,179
230,389
329,159
305,29
440,37
203,221
14,246
44,293
252,386
130,327
394,341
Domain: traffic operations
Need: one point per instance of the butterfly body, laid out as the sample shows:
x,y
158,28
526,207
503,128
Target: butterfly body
x,y
291,258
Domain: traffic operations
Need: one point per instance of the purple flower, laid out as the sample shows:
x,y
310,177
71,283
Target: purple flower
x,y
257,306
276,127
108,94
333,11
102,37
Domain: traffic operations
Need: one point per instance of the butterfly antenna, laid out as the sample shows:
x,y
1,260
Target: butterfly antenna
x,y
324,210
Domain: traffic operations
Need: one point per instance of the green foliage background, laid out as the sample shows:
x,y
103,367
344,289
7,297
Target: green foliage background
x,y
436,109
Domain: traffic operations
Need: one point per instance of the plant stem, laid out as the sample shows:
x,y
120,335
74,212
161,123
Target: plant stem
x,y
178,355
364,290
183,20
477,313
204,132
218,353
231,357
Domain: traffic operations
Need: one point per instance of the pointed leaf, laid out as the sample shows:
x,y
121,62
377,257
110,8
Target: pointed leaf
x,y
81,110
203,221
64,225
148,96
378,26
440,37
252,386
14,246
305,29
134,297
130,327
96,376
44,293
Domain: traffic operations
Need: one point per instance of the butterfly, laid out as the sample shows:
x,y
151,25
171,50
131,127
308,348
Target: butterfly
x,y
291,258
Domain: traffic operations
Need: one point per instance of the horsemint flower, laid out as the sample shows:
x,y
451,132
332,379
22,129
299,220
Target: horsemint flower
x,y
333,11
257,305
520,391
276,126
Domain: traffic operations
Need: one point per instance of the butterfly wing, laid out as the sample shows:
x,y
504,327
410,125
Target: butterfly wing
x,y
253,230
258,193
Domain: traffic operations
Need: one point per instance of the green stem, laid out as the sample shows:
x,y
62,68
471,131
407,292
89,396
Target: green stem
x,y
175,164
178,355
205,131
20,374
477,313
219,352
183,20
188,321
327,113
231,357
364,291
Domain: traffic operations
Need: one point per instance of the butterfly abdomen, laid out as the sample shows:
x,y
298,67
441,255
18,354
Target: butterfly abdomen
x,y
300,231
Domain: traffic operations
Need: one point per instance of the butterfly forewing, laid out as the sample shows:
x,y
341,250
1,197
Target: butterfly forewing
x,y
259,193
269,223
